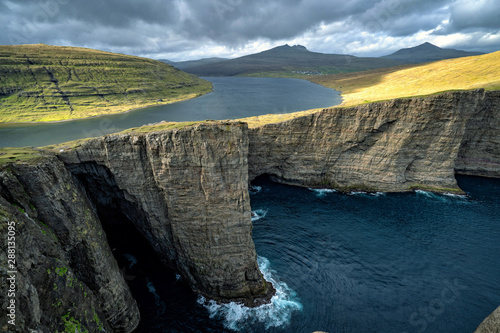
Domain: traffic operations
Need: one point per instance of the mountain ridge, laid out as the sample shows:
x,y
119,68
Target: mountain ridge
x,y
427,52
286,60
290,59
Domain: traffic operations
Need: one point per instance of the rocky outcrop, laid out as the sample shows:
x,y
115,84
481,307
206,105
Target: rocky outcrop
x,y
491,324
397,145
66,274
186,192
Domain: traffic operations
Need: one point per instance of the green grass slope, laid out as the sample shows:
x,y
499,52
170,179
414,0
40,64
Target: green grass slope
x,y
52,83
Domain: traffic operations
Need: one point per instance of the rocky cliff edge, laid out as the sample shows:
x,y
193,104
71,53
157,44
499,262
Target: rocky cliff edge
x,y
186,192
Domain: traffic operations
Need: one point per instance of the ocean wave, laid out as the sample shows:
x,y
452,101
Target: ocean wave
x,y
158,302
258,214
277,313
131,259
442,196
321,192
255,189
369,194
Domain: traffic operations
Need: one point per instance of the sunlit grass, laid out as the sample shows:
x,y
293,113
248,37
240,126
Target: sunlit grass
x,y
53,83
19,155
416,80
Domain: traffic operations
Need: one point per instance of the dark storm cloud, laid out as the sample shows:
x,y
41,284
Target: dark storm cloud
x,y
481,15
152,27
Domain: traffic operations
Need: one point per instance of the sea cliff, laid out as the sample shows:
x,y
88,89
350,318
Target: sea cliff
x,y
185,190
396,145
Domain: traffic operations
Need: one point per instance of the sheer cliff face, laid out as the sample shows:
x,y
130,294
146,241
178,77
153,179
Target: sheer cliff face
x,y
396,145
186,191
67,274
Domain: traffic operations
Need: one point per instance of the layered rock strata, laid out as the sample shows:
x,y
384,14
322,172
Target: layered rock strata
x,y
397,145
186,191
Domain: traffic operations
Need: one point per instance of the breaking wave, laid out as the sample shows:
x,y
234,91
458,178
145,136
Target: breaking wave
x,y
131,259
237,317
321,192
258,214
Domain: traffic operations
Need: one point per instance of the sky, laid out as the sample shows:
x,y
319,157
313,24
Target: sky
x,y
192,29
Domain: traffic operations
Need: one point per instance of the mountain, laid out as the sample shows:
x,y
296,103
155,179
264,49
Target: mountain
x,y
287,60
427,52
191,63
50,83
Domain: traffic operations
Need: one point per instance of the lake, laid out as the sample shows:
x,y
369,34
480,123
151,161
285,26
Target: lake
x,y
231,98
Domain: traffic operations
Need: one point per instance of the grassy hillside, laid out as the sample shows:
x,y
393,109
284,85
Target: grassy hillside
x,y
50,83
414,80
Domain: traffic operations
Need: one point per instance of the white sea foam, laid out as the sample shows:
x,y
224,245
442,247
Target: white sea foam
x,y
371,194
158,302
255,189
320,192
131,259
441,196
177,277
278,313
258,214
457,196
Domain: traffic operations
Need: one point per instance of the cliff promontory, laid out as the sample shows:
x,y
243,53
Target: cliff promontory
x,y
185,190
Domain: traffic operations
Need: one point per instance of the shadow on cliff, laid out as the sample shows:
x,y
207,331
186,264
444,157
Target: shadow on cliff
x,y
161,294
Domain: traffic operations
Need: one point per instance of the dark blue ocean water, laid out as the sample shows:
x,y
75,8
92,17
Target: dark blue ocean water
x,y
231,98
414,262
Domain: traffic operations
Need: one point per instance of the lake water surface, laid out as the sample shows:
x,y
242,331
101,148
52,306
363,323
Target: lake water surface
x,y
231,98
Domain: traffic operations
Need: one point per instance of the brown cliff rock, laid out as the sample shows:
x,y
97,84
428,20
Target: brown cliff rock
x,y
491,324
396,145
186,191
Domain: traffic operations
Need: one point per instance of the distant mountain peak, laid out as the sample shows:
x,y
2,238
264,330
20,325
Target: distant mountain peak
x,y
300,47
427,52
290,48
427,45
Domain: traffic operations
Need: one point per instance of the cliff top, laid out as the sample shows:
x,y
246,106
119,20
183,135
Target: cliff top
x,y
51,83
20,155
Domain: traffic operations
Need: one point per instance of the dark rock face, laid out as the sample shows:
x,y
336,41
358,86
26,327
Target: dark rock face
x,y
186,191
67,274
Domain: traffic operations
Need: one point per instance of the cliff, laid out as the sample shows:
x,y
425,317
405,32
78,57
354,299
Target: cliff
x,y
491,324
66,274
186,192
396,145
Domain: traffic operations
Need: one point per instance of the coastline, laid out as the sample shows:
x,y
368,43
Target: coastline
x,y
6,124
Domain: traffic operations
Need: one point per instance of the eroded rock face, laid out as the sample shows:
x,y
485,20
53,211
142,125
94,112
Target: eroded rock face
x,y
67,274
395,145
186,191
